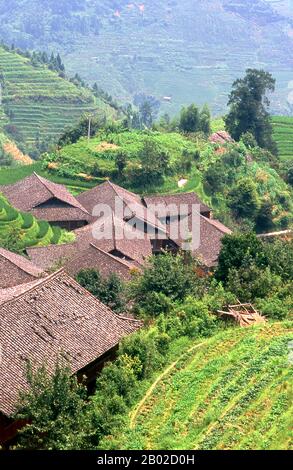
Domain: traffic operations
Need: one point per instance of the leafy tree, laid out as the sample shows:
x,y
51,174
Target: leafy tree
x,y
235,249
55,409
165,275
215,177
264,217
243,199
248,108
205,120
147,115
250,282
110,291
121,162
189,119
153,165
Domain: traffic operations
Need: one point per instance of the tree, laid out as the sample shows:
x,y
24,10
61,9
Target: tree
x,y
205,120
121,162
189,119
146,113
55,409
165,277
153,165
110,290
243,199
249,108
236,249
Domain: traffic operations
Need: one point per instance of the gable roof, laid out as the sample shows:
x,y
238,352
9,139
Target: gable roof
x,y
20,262
211,233
177,199
134,252
53,317
31,193
132,203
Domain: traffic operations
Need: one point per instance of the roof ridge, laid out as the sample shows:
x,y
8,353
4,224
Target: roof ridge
x,y
44,182
210,221
3,252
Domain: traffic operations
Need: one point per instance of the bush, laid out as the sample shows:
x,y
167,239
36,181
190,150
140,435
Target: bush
x,y
275,308
166,278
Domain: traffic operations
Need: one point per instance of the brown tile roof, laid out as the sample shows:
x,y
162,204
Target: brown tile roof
x,y
132,253
21,262
51,256
220,137
35,194
177,200
52,318
135,249
16,269
94,257
133,206
211,234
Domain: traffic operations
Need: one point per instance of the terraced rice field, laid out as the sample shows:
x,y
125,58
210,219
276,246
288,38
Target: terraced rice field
x,y
38,103
233,391
283,135
32,231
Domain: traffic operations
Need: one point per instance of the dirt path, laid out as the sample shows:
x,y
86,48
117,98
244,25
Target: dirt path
x,y
16,154
137,410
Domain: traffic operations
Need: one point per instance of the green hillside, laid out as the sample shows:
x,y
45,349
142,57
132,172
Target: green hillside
x,y
283,135
185,50
232,391
31,231
37,103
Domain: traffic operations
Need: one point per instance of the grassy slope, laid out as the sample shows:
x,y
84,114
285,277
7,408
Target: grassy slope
x,y
283,135
38,102
232,392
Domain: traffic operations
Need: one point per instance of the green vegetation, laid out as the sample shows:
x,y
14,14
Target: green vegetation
x,y
21,230
98,156
110,291
283,135
232,391
154,161
37,104
249,108
214,374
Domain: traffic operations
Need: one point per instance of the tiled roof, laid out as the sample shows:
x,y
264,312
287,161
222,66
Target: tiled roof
x,y
211,234
94,257
133,206
20,262
54,317
75,255
177,200
220,137
32,193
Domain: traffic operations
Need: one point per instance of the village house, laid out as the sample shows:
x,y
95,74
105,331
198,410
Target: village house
x,y
139,214
46,201
48,319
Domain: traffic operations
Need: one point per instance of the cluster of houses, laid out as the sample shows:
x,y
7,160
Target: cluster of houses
x,y
45,313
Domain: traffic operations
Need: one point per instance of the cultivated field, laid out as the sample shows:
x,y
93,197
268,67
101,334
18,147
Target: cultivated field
x,y
38,104
283,135
233,391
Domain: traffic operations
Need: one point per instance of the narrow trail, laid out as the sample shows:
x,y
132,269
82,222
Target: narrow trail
x,y
140,405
